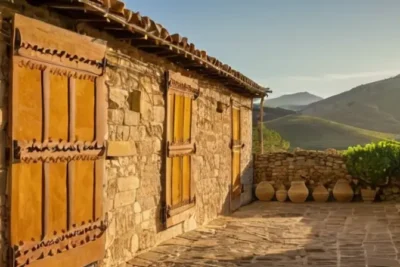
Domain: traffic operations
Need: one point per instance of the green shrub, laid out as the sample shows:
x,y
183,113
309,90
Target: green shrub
x,y
374,163
273,142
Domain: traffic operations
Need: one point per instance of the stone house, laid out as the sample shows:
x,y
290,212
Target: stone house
x,y
116,135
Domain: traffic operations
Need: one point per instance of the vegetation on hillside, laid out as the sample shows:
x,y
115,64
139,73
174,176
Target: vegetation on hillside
x,y
273,142
315,133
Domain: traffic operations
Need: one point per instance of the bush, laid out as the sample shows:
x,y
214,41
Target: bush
x,y
374,163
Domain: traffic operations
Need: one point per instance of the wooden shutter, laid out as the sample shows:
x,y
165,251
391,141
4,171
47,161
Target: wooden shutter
x,y
180,146
57,130
236,151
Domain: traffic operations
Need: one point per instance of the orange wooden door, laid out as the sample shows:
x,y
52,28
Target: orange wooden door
x,y
57,163
236,151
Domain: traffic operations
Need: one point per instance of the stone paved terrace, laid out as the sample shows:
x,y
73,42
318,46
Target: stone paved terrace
x,y
287,234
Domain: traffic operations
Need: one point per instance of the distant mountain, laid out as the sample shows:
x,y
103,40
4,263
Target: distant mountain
x,y
374,106
293,101
269,113
318,134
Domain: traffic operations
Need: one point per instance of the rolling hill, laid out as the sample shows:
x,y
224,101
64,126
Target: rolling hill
x,y
293,101
373,106
318,134
270,113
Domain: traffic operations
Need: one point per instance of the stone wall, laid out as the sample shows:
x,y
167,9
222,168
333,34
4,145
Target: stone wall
x,y
134,183
314,167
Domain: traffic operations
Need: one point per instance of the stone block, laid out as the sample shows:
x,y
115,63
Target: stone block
x,y
118,98
137,208
131,118
134,244
128,183
115,116
124,198
159,114
121,148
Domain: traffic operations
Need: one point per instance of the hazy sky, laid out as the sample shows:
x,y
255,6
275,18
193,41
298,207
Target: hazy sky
x,y
321,46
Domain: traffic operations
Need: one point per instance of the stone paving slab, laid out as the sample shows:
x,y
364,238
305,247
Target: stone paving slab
x,y
288,234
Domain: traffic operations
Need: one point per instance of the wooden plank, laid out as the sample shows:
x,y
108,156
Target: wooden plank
x,y
98,190
81,256
178,118
170,138
57,200
26,202
186,179
101,110
176,180
70,194
72,109
187,120
82,206
36,33
85,110
58,115
235,124
27,103
236,172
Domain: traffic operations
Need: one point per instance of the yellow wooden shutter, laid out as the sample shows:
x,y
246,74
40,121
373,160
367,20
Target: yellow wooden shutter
x,y
57,105
236,150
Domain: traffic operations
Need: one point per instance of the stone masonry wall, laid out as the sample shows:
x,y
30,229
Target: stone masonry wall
x,y
134,184
313,167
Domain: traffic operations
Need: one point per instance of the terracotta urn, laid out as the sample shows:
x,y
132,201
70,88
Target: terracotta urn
x,y
265,191
298,192
281,194
368,195
342,191
320,193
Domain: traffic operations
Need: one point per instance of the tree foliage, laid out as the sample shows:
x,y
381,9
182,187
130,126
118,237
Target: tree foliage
x,y
273,142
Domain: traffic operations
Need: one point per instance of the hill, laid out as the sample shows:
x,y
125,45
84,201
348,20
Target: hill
x,y
270,113
293,100
316,133
373,106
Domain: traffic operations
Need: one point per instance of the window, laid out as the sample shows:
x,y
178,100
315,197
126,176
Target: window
x,y
180,190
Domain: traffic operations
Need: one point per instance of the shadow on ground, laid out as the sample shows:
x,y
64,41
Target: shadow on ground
x,y
287,234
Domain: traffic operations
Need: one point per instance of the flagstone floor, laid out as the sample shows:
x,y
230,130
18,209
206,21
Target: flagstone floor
x,y
288,234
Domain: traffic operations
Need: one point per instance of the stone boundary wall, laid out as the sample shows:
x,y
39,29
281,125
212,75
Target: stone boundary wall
x,y
314,167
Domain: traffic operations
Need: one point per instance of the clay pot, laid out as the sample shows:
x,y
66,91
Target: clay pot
x,y
281,194
298,192
368,195
265,191
320,194
342,191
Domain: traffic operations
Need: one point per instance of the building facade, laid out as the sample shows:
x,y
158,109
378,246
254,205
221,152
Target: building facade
x,y
116,135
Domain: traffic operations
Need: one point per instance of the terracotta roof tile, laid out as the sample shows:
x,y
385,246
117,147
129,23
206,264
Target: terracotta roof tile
x,y
132,21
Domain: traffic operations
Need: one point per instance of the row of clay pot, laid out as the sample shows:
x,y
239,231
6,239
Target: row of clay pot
x,y
298,192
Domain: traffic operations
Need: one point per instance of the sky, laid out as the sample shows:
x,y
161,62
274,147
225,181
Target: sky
x,y
320,46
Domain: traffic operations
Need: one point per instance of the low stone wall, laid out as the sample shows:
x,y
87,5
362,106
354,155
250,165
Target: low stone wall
x,y
314,167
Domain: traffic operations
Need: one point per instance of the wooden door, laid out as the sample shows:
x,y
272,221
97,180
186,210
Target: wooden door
x,y
180,146
236,151
57,131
